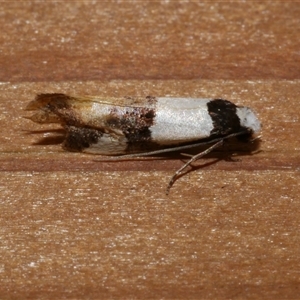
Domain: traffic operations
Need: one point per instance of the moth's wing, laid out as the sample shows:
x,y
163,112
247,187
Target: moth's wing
x,y
61,108
119,101
94,141
181,120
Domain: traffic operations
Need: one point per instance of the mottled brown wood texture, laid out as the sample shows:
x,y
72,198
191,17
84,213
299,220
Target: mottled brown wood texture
x,y
72,228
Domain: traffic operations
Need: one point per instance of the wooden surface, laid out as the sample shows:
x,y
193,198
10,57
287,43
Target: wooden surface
x,y
72,228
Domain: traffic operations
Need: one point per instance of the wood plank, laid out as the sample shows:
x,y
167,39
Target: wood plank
x,y
88,40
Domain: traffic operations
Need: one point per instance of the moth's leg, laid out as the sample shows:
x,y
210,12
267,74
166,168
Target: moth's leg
x,y
195,157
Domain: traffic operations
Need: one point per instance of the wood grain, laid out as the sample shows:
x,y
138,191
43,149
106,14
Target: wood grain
x,y
73,228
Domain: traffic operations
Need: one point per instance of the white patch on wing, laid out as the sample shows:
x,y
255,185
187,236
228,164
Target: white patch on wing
x,y
180,120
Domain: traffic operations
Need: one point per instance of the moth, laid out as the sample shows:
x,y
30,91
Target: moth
x,y
142,126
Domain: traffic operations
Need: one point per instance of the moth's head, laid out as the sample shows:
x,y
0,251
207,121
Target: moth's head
x,y
248,119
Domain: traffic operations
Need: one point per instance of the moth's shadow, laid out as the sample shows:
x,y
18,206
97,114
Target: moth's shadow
x,y
230,147
56,136
225,152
